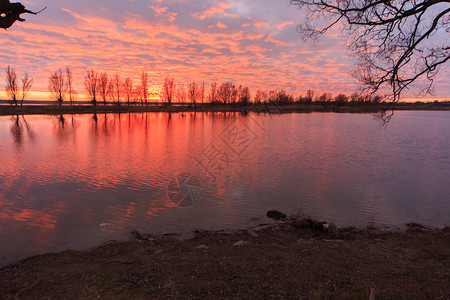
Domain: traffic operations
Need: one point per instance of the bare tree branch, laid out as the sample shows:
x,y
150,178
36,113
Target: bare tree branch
x,y
57,85
27,83
392,39
12,85
91,85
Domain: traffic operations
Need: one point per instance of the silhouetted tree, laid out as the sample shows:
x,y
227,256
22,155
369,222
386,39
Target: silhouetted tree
x,y
340,99
91,85
57,85
309,96
355,98
180,93
70,88
234,94
144,87
111,92
282,98
118,87
137,94
103,86
128,87
27,83
392,39
261,97
244,95
324,98
227,92
12,85
212,98
193,92
202,92
168,90
272,94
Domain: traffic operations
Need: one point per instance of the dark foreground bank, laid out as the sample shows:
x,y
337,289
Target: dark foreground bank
x,y
265,108
285,260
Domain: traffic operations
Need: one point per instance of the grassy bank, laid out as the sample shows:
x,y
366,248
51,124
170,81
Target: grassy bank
x,y
88,109
285,260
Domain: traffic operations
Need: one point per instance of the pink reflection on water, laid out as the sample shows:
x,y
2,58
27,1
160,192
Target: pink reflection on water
x,y
82,182
84,172
99,175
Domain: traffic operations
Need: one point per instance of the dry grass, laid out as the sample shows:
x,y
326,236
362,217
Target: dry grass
x,y
279,261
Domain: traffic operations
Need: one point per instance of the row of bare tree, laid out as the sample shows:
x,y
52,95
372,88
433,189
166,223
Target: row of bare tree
x,y
226,93
60,85
339,100
99,86
17,91
106,88
113,88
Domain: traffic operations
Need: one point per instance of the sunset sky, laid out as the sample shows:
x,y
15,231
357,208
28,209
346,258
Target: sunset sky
x,y
248,42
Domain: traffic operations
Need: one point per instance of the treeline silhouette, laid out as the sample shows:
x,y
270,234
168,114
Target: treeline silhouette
x,y
106,89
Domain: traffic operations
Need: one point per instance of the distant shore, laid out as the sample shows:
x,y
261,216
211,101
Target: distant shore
x,y
288,259
263,108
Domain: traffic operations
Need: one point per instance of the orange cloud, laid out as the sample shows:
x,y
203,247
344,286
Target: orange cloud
x,y
221,25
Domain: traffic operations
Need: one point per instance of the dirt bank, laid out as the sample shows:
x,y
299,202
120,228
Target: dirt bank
x,y
277,261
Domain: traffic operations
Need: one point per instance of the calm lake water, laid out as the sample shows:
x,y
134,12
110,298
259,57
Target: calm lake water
x,y
79,183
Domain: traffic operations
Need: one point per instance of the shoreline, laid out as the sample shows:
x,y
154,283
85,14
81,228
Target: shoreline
x,y
291,108
297,258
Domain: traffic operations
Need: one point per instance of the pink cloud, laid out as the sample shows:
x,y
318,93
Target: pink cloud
x,y
219,9
221,25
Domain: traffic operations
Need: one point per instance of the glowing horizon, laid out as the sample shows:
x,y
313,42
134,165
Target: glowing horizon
x,y
46,96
